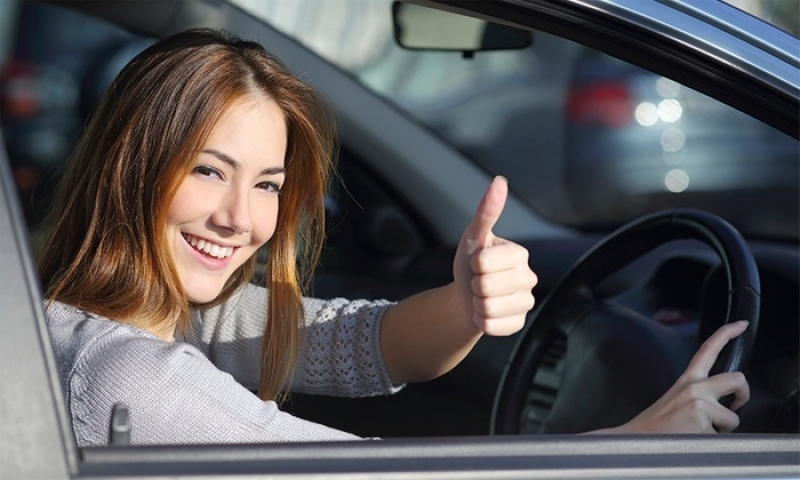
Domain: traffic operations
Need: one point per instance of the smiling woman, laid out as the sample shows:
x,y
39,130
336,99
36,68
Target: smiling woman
x,y
417,136
193,149
119,268
203,150
227,208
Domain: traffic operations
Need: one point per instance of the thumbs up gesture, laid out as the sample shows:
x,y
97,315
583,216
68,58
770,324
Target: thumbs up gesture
x,y
427,334
492,274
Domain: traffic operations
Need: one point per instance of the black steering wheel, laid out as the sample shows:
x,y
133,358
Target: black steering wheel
x,y
597,364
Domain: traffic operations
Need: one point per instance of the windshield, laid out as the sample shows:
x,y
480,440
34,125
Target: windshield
x,y
587,140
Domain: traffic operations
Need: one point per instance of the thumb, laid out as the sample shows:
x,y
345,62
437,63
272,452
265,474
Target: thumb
x,y
488,212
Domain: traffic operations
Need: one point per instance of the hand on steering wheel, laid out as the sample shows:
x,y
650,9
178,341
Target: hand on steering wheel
x,y
691,405
619,363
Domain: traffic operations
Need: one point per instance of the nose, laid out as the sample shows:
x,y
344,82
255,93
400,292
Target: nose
x,y
234,212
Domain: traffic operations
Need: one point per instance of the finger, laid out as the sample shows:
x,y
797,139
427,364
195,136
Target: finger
x,y
709,351
504,283
501,327
724,420
519,303
502,256
733,383
722,385
489,210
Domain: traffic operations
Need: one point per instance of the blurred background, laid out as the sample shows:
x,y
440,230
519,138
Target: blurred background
x,y
617,140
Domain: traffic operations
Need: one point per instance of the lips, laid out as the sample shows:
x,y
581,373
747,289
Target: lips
x,y
209,248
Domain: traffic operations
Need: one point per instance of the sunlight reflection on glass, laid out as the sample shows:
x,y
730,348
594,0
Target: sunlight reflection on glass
x,y
667,88
646,114
676,180
670,110
673,139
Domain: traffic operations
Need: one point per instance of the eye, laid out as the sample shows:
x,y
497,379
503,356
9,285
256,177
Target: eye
x,y
269,187
205,171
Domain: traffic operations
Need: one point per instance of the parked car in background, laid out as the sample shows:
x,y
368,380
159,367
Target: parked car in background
x,y
637,141
618,110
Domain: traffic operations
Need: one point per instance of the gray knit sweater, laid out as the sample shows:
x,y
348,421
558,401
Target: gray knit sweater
x,y
198,389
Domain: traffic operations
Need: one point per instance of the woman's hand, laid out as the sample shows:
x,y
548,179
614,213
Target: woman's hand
x,y
493,280
428,334
692,405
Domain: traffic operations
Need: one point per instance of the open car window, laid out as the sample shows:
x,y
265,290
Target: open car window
x,y
588,141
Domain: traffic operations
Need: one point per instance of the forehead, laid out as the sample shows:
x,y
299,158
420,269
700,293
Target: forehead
x,y
248,107
252,127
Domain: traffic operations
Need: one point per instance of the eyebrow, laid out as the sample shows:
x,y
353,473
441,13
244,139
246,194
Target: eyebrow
x,y
236,165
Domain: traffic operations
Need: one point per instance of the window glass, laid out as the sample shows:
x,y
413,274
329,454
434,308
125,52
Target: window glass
x,y
587,140
49,85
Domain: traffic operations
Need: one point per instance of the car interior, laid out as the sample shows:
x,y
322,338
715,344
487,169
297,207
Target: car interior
x,y
652,290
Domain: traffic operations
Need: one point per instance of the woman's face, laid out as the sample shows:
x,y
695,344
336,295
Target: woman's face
x,y
227,207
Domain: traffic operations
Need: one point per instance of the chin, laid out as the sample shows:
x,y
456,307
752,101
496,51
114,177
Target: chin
x,y
205,296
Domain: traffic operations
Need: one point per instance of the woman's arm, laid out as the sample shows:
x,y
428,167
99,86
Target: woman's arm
x,y
175,396
340,354
426,335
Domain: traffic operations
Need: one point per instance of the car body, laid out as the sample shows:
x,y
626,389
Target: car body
x,y
412,167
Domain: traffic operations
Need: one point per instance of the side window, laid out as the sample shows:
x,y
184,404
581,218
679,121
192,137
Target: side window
x,y
595,140
636,142
591,141
50,83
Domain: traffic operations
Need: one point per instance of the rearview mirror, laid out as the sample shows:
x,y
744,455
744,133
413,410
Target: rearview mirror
x,y
422,28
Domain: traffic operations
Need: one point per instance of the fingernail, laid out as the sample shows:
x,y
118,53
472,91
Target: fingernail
x,y
743,323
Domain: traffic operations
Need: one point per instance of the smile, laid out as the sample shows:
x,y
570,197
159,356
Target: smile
x,y
209,248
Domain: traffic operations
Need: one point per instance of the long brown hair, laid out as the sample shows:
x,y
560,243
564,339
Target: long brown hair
x,y
105,250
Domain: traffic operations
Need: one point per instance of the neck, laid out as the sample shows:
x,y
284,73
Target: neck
x,y
166,336
162,330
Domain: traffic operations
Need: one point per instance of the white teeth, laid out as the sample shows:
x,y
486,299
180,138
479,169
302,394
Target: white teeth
x,y
209,248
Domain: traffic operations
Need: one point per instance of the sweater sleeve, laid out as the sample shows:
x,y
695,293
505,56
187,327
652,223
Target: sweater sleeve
x,y
175,395
340,354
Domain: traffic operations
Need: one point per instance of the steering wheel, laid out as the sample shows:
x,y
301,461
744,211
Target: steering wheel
x,y
617,362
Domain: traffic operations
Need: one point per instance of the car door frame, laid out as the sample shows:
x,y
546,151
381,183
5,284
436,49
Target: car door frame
x,y
37,440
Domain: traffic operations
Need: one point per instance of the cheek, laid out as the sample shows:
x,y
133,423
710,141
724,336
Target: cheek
x,y
187,202
264,229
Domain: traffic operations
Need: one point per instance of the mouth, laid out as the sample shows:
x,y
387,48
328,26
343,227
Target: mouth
x,y
208,248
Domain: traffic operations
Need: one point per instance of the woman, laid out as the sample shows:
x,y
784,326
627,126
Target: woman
x,y
204,149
